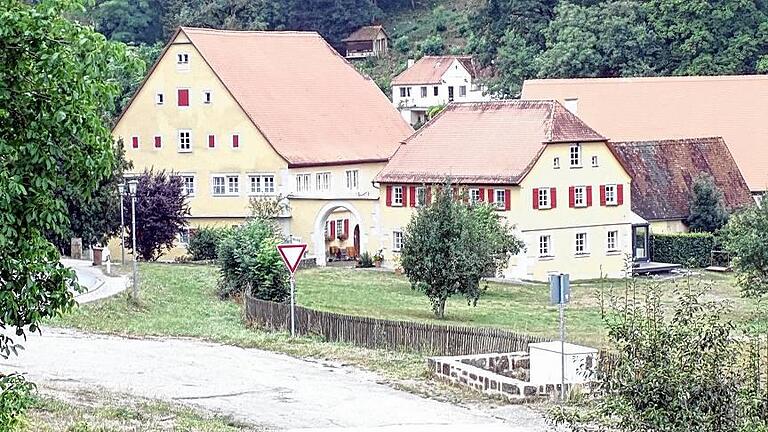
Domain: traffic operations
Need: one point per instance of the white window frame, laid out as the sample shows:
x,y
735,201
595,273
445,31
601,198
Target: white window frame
x,y
263,180
556,162
474,195
182,61
579,191
402,92
323,181
615,247
303,182
594,161
180,141
436,90
207,97
544,198
614,199
545,246
424,91
575,156
421,196
397,191
233,179
397,241
159,98
500,198
581,242
353,179
184,186
223,185
463,91
339,227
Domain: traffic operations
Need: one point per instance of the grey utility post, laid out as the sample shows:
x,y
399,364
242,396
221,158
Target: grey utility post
x,y
121,190
560,294
132,184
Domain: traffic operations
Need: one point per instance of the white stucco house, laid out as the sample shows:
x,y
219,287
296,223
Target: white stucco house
x,y
436,80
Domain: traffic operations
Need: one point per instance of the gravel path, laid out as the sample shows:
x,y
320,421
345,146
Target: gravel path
x,y
250,385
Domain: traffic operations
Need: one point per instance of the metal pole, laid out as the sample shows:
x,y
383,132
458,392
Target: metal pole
x,y
293,305
562,340
122,231
135,255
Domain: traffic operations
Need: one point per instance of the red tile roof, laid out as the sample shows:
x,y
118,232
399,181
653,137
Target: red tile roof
x,y
663,172
484,142
312,106
430,70
367,33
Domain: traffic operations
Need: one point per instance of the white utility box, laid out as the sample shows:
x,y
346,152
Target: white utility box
x,y
580,363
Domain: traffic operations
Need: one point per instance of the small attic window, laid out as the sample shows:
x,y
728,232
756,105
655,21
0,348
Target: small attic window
x,y
182,61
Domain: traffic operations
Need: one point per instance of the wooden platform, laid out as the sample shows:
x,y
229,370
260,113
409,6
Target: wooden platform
x,y
651,267
719,269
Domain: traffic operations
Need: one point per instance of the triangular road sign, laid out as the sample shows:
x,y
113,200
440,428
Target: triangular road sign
x,y
292,254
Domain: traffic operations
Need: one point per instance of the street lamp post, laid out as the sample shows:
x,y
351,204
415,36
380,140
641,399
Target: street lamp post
x,y
121,190
132,190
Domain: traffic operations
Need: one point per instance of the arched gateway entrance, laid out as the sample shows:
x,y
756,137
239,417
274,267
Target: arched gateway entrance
x,y
338,233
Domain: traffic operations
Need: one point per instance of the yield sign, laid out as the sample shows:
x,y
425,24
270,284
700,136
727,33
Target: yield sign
x,y
291,254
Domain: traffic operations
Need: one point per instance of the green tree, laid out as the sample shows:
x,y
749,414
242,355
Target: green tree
x,y
745,237
515,62
707,209
449,246
432,45
226,14
333,19
130,21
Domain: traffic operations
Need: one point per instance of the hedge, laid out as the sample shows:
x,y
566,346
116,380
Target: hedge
x,y
688,249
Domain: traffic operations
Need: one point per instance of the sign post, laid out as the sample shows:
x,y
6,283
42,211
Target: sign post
x,y
292,255
560,294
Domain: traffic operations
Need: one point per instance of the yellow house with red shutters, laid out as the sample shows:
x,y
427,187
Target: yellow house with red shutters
x,y
548,173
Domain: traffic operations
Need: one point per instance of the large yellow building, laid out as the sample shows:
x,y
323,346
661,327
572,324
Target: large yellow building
x,y
267,114
548,173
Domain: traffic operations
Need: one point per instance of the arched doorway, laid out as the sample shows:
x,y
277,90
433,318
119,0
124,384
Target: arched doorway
x,y
340,216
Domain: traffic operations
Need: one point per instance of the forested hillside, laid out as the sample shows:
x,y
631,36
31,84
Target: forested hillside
x,y
515,39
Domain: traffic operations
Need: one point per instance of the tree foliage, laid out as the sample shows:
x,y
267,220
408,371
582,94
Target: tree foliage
x,y
746,238
673,368
132,21
204,241
707,210
161,211
449,246
56,92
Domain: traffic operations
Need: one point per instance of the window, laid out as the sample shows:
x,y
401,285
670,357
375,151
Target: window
x,y
211,141
572,105
421,196
544,198
134,142
185,140
397,195
183,97
188,186
323,181
556,163
545,246
303,182
610,195
474,195
402,92
594,161
339,226
159,98
462,91
581,243
579,196
235,141
408,91
436,90
500,198
262,183
397,240
158,141
233,185
207,97
352,179
575,154
613,241
182,61
184,236
217,185
423,92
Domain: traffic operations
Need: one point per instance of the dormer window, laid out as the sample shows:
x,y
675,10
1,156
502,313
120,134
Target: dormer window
x,y
182,61
575,155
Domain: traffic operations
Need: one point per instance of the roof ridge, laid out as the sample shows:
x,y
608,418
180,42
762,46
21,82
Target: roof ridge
x,y
665,141
690,78
303,33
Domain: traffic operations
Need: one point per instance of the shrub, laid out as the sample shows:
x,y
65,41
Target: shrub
x,y
689,249
248,259
746,238
15,398
203,242
366,260
402,44
433,45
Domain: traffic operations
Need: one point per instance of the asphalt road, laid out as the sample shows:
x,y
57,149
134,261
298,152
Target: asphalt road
x,y
252,386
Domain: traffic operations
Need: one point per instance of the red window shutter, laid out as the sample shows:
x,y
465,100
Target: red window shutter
x,y
211,141
490,196
346,227
507,199
412,196
571,197
158,141
183,97
602,195
553,197
389,196
135,142
333,229
235,141
589,196
481,193
619,194
536,198
428,195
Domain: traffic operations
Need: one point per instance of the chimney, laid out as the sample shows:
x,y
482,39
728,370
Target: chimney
x,y
411,62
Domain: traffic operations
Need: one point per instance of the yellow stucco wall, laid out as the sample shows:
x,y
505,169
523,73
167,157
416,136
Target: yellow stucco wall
x,y
668,226
561,223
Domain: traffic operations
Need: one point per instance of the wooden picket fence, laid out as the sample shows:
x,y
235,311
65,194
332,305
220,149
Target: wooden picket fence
x,y
367,332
